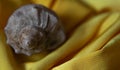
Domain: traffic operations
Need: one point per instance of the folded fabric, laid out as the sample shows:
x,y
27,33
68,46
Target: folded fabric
x,y
92,28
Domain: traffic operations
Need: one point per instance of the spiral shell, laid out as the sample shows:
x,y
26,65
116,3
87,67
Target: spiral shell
x,y
33,29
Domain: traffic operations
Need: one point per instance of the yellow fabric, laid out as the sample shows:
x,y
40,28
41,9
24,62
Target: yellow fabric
x,y
92,28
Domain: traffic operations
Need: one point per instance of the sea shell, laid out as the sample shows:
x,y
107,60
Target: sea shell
x,y
33,29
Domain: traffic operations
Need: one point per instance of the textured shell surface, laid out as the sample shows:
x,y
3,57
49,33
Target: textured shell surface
x,y
33,29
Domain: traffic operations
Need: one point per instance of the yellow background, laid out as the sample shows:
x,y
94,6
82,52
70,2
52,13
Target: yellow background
x,y
92,28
